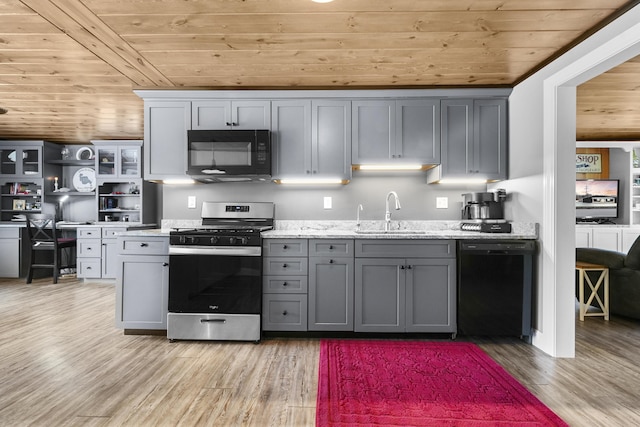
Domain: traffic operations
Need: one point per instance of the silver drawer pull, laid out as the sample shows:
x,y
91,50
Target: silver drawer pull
x,y
284,283
213,320
144,245
284,313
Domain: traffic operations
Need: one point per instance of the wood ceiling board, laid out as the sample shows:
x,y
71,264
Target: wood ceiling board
x,y
89,54
361,22
101,7
318,41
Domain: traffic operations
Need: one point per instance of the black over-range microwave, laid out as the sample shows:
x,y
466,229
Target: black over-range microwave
x,y
229,155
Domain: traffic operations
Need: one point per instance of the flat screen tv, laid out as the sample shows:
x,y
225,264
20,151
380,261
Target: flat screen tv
x,y
597,199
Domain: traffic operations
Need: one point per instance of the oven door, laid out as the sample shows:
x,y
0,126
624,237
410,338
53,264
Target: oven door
x,y
210,281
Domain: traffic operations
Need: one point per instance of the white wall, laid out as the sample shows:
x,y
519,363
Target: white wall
x,y
541,163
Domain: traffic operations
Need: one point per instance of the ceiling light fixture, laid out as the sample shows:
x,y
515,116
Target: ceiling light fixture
x,y
322,1
3,110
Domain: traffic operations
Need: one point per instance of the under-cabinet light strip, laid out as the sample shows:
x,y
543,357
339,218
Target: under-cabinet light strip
x,y
390,167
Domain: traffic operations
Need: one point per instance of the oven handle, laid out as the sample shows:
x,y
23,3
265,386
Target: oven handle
x,y
216,250
213,320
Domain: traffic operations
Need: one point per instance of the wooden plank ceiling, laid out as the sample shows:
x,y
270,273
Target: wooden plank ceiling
x,y
68,67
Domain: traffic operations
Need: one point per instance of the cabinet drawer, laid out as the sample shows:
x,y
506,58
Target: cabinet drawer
x,y
405,248
285,284
322,247
112,232
144,246
88,268
89,233
284,312
285,266
284,247
88,248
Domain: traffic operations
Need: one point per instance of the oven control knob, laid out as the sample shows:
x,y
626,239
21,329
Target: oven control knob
x,y
192,240
214,240
182,239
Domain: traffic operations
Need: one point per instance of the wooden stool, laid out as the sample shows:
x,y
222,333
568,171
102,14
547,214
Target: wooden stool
x,y
583,268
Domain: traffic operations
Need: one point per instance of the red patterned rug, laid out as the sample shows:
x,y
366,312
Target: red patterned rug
x,y
420,383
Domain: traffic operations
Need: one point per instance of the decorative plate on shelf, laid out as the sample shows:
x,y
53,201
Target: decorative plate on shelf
x,y
84,180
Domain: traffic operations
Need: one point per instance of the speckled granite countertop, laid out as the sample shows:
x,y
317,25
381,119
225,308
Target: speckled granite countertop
x,y
309,229
399,230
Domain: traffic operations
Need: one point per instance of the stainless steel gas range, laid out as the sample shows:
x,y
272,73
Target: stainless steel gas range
x,y
215,273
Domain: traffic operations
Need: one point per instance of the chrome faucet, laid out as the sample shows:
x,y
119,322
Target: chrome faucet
x,y
387,213
358,210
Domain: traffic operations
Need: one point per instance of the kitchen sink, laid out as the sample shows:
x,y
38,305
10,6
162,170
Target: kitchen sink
x,y
392,232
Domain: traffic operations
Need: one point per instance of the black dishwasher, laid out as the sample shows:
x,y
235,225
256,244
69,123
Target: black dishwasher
x,y
495,287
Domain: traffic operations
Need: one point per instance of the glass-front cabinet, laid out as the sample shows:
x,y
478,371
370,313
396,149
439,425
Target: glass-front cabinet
x,y
118,159
21,162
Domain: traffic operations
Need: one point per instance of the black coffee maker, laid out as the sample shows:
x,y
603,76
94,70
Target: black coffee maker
x,y
484,211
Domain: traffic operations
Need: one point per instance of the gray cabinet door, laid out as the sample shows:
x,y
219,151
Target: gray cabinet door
x,y
330,294
330,141
142,292
474,138
418,131
489,136
10,259
210,114
379,295
109,258
456,137
374,130
165,139
311,139
431,295
251,114
223,114
291,138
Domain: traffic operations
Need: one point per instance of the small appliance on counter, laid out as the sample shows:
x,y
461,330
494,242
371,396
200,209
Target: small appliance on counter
x,y
484,212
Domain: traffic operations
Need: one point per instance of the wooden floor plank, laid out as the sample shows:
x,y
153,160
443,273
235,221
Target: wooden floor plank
x,y
63,363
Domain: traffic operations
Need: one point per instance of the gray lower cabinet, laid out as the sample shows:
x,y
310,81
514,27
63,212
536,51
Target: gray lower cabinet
x,y
96,255
89,253
285,285
331,285
11,250
405,286
142,286
109,261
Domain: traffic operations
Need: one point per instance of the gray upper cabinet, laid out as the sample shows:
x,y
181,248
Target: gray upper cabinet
x,y
165,139
396,131
474,138
222,114
311,139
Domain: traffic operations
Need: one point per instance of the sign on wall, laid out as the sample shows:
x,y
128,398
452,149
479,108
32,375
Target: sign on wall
x,y
588,163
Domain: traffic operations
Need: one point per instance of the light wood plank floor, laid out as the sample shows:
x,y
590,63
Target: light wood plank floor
x,y
63,363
